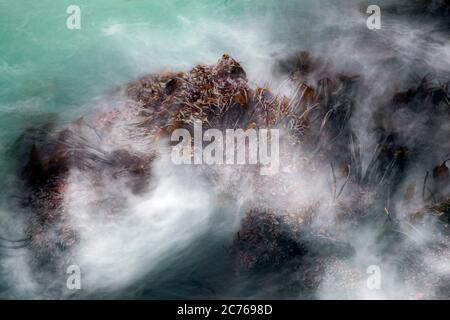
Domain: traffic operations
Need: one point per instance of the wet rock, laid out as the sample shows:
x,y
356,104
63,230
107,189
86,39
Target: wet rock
x,y
268,240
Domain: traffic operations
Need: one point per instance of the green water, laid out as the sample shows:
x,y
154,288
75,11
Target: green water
x,y
50,73
45,68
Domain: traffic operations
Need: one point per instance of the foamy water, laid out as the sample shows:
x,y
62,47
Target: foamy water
x,y
171,239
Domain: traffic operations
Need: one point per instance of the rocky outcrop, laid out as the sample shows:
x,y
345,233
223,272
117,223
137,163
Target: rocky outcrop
x,y
121,144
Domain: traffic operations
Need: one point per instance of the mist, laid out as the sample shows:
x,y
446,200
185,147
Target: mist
x,y
174,235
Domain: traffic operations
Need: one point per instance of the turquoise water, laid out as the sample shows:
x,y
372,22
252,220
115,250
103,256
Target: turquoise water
x,y
48,70
49,73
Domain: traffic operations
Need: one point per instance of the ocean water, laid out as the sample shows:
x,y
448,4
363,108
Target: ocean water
x,y
49,73
48,70
45,68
